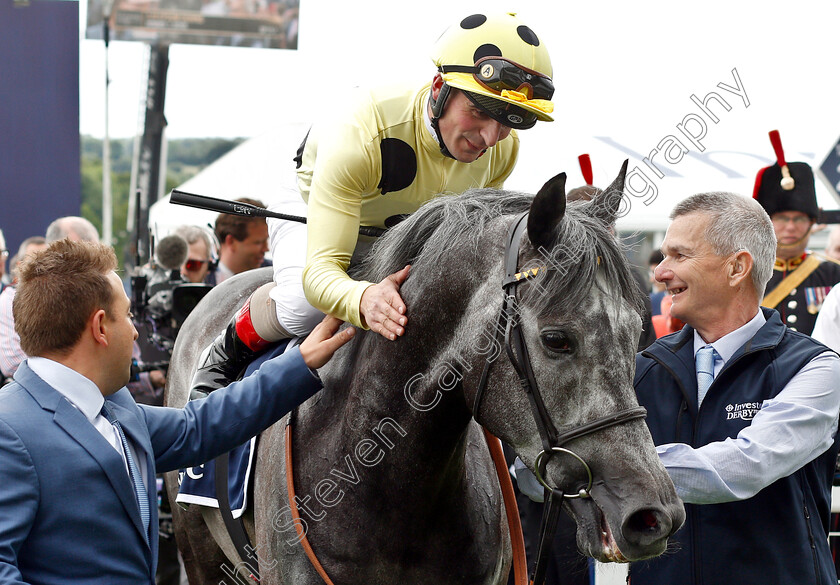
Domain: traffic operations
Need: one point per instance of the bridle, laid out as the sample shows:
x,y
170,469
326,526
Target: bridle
x,y
552,439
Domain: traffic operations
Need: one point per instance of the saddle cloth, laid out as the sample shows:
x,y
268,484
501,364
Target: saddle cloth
x,y
197,485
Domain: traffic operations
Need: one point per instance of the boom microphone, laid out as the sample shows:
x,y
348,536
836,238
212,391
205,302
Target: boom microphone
x,y
171,252
246,209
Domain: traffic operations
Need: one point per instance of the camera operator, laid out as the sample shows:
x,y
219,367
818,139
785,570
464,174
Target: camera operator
x,y
151,305
161,299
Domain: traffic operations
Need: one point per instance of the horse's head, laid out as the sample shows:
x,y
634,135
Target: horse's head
x,y
577,306
578,310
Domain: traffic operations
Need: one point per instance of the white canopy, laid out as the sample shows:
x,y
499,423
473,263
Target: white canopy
x,y
262,168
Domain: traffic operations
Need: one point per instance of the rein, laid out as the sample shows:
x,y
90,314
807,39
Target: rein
x,y
290,488
552,440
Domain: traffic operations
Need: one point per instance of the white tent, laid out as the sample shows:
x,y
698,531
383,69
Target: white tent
x,y
262,168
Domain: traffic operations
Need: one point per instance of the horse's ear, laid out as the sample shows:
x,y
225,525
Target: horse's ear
x,y
547,210
606,204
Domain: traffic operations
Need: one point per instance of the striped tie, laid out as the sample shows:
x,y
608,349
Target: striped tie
x,y
704,361
133,471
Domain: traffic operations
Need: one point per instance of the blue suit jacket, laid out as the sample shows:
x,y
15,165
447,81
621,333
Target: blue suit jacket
x,y
67,508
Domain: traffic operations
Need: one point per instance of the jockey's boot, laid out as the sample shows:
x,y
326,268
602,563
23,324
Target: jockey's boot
x,y
224,360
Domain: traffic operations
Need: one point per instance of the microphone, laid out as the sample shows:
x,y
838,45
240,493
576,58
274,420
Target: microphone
x,y
171,252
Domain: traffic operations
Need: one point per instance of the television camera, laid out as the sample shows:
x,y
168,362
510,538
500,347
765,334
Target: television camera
x,y
161,300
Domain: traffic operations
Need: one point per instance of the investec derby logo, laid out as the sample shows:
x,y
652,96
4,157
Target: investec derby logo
x,y
745,411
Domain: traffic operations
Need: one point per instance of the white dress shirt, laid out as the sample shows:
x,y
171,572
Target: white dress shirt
x,y
789,431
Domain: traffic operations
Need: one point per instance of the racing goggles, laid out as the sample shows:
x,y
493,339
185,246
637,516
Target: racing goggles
x,y
498,74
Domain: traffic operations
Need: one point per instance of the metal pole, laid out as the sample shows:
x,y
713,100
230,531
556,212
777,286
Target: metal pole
x,y
149,162
107,212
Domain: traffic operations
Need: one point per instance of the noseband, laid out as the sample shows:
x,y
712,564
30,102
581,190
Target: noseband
x,y
552,440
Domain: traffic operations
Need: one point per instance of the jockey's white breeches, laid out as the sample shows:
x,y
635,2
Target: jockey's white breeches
x,y
287,240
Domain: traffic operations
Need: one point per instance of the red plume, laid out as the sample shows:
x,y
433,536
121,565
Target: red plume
x,y
776,141
586,168
787,182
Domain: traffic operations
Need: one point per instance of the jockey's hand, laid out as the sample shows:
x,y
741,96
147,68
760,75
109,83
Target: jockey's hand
x,y
320,345
382,307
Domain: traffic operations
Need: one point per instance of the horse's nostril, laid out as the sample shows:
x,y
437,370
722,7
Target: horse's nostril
x,y
649,519
645,533
644,522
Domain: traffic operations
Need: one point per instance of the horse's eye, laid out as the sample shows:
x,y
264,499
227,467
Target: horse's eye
x,y
557,342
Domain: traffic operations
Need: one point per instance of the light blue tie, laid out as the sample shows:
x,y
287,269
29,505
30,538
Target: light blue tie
x,y
704,362
133,471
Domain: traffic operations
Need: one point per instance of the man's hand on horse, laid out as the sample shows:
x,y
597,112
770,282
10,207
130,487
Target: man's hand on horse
x,y
320,345
383,308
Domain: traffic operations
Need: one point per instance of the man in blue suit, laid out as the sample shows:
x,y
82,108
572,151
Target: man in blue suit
x,y
75,447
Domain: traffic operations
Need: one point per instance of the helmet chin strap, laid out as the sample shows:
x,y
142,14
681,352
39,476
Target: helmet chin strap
x,y
436,106
800,240
443,150
437,111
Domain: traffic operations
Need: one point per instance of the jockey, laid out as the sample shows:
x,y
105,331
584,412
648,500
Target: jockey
x,y
391,151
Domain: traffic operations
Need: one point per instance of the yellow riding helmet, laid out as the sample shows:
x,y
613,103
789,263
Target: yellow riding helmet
x,y
501,58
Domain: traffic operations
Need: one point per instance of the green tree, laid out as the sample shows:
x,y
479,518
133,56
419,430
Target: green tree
x,y
186,158
92,200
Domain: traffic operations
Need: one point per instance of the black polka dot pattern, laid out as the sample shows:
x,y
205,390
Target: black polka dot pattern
x,y
473,21
527,35
399,165
487,50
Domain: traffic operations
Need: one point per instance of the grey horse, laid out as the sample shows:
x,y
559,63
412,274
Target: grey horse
x,y
393,479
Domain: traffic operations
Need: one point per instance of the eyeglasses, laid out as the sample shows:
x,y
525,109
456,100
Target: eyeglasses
x,y
497,74
798,220
192,265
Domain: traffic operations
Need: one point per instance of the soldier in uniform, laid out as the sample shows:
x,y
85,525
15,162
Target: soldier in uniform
x,y
801,279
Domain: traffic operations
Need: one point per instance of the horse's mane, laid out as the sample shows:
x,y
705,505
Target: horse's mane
x,y
582,243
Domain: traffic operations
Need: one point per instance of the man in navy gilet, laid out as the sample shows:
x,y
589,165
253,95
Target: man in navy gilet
x,y
748,432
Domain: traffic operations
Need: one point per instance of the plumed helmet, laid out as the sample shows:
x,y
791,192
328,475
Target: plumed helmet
x,y
502,66
786,186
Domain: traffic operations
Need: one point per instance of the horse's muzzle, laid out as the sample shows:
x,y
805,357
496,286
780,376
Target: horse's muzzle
x,y
616,530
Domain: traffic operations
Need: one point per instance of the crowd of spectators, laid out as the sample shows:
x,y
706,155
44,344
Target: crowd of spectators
x,y
236,244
